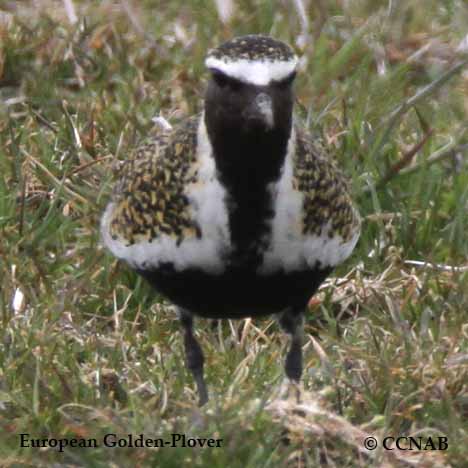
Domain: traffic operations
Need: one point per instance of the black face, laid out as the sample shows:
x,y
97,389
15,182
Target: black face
x,y
249,127
238,107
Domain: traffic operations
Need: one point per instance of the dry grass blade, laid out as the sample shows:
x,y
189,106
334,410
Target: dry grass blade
x,y
426,91
437,266
396,115
445,152
70,10
404,161
311,423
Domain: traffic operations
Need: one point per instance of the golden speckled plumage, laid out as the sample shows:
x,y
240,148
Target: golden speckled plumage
x,y
324,188
149,197
253,47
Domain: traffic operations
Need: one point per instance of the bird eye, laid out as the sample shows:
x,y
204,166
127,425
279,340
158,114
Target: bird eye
x,y
286,82
222,80
219,78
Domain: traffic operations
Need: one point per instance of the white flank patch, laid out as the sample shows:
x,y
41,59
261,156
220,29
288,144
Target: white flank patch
x,y
207,201
256,72
289,249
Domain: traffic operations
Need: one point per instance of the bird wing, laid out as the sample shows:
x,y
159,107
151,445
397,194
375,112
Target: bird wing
x,y
149,198
326,199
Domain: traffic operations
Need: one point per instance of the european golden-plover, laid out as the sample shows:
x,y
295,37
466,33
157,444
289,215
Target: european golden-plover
x,y
237,212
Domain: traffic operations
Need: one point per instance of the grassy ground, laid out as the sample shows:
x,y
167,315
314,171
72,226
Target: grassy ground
x,y
87,349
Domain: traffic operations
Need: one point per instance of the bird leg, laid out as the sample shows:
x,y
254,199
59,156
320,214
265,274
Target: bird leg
x,y
291,321
194,355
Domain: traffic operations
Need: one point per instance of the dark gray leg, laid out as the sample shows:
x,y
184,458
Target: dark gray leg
x,y
194,355
291,322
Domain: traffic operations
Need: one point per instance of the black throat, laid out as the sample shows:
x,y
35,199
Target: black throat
x,y
247,162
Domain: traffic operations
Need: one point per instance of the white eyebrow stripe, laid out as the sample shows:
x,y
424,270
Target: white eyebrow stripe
x,y
255,72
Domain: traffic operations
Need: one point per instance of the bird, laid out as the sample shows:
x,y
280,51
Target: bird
x,y
238,211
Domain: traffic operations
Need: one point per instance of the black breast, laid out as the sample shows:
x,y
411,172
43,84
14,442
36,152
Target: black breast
x,y
247,165
246,168
236,293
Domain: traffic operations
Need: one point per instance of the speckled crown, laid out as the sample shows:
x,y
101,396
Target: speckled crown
x,y
254,59
253,47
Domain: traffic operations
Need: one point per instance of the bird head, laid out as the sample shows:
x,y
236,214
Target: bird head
x,y
250,87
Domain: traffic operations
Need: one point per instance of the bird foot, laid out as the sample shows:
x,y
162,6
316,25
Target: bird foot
x,y
291,391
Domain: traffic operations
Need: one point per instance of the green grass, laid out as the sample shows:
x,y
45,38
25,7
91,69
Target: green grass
x,y
91,350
